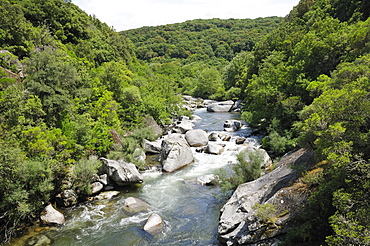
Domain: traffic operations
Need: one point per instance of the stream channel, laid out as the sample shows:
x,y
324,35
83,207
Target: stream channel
x,y
190,210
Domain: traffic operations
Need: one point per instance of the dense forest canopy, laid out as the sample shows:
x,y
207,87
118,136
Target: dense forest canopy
x,y
200,39
71,87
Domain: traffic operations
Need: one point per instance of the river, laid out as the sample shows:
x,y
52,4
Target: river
x,y
190,211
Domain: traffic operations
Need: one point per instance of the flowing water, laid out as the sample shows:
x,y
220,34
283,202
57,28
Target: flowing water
x,y
190,211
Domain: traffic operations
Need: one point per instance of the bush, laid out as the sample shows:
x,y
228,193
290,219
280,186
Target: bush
x,y
265,212
82,174
244,171
26,187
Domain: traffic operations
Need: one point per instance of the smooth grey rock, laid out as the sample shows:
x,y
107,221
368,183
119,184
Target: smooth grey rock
x,y
120,172
196,138
153,147
224,106
96,187
135,205
175,153
154,224
52,216
239,225
213,148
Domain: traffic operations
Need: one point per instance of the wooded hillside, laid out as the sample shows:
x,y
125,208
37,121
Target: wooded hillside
x,y
71,88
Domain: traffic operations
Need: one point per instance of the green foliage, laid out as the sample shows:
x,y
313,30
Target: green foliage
x,y
82,173
247,168
210,38
265,212
26,187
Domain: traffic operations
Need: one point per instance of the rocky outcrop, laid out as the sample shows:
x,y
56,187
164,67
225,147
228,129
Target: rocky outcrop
x,y
120,172
242,221
196,138
175,153
224,106
135,205
52,216
154,224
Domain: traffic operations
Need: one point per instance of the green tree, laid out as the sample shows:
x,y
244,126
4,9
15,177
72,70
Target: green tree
x,y
54,79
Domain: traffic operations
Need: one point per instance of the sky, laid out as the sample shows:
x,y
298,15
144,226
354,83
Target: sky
x,y
129,14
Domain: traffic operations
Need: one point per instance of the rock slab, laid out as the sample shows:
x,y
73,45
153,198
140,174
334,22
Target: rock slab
x,y
239,223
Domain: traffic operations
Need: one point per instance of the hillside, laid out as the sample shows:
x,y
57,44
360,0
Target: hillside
x,y
71,88
308,84
200,39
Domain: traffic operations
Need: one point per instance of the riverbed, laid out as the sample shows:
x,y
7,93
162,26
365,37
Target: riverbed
x,y
190,210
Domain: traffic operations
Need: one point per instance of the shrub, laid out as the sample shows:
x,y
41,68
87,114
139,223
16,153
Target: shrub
x,y
265,212
247,168
82,174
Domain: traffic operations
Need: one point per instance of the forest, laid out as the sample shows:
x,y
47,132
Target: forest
x,y
71,87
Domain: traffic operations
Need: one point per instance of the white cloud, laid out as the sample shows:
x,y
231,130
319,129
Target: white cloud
x,y
128,14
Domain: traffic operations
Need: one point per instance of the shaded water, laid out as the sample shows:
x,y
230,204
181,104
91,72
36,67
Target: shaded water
x,y
190,211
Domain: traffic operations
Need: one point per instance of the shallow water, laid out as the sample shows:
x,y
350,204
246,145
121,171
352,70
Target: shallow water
x,y
190,211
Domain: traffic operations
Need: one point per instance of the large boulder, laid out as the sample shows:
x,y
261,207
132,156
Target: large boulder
x,y
154,224
135,205
175,153
153,147
52,216
120,172
244,220
196,138
224,106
